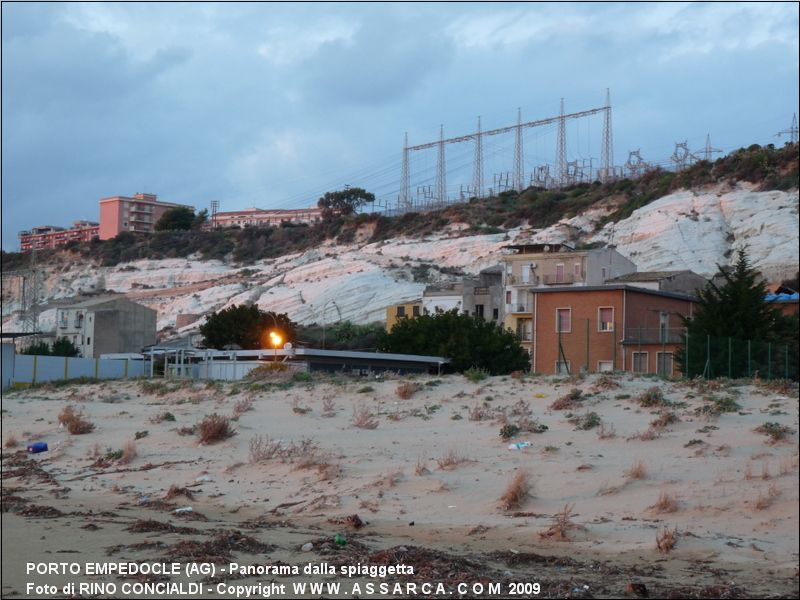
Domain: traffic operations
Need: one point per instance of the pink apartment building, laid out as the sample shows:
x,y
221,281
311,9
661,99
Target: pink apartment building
x,y
139,213
49,236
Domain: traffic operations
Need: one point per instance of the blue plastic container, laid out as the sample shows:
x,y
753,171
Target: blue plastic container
x,y
37,447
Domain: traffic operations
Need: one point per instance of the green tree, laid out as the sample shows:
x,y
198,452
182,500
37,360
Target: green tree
x,y
200,219
247,327
468,341
64,347
39,348
344,202
176,218
727,316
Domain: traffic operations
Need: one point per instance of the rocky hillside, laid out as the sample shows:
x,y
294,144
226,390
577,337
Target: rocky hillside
x,y
695,229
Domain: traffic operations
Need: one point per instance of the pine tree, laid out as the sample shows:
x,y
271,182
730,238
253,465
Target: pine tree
x,y
733,330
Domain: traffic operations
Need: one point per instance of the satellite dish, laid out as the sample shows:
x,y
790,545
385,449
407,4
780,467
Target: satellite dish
x,y
547,248
287,346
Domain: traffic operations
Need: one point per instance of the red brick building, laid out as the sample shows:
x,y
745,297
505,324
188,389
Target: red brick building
x,y
49,236
605,328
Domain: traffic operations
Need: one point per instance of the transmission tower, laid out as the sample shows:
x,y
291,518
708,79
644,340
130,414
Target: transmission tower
x,y
708,150
441,183
792,131
477,167
636,165
681,156
404,177
518,168
22,289
561,148
607,151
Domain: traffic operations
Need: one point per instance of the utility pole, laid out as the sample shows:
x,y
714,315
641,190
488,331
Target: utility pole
x,y
518,163
607,151
477,167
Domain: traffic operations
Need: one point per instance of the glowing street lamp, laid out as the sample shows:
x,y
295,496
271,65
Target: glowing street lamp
x,y
276,340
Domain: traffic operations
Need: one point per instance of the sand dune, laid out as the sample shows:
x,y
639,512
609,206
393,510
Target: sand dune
x,y
629,458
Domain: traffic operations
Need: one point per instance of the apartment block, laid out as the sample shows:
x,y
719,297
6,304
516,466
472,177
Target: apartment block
x,y
49,236
139,213
107,325
540,266
259,217
606,328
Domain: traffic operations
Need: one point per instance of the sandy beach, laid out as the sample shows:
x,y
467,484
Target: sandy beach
x,y
413,471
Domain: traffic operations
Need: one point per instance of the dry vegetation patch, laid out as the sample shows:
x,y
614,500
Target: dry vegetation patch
x,y
407,389
561,526
74,421
517,492
451,460
570,400
666,539
637,471
363,418
666,503
214,428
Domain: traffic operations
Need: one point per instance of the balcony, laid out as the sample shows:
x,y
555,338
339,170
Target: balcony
x,y
654,335
524,335
565,279
517,280
519,307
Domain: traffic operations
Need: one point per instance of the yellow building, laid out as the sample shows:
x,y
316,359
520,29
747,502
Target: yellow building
x,y
402,311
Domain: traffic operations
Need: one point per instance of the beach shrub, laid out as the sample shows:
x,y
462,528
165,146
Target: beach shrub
x,y
214,428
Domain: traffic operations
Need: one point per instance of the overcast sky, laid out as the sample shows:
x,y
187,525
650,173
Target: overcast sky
x,y
271,105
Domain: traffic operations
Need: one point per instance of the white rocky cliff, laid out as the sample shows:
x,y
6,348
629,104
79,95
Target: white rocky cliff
x,y
684,230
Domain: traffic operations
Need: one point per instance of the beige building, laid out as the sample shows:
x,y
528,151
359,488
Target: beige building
x,y
107,325
529,267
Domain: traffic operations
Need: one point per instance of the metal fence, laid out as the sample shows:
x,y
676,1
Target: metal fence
x,y
712,357
31,369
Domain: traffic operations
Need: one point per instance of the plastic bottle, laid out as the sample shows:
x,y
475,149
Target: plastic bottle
x,y
339,540
37,447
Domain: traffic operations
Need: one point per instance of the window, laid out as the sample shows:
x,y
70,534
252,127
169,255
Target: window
x,y
525,330
577,270
605,366
479,310
563,320
508,297
562,367
603,273
88,341
664,363
663,327
495,314
639,362
560,273
605,318
415,310
401,311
